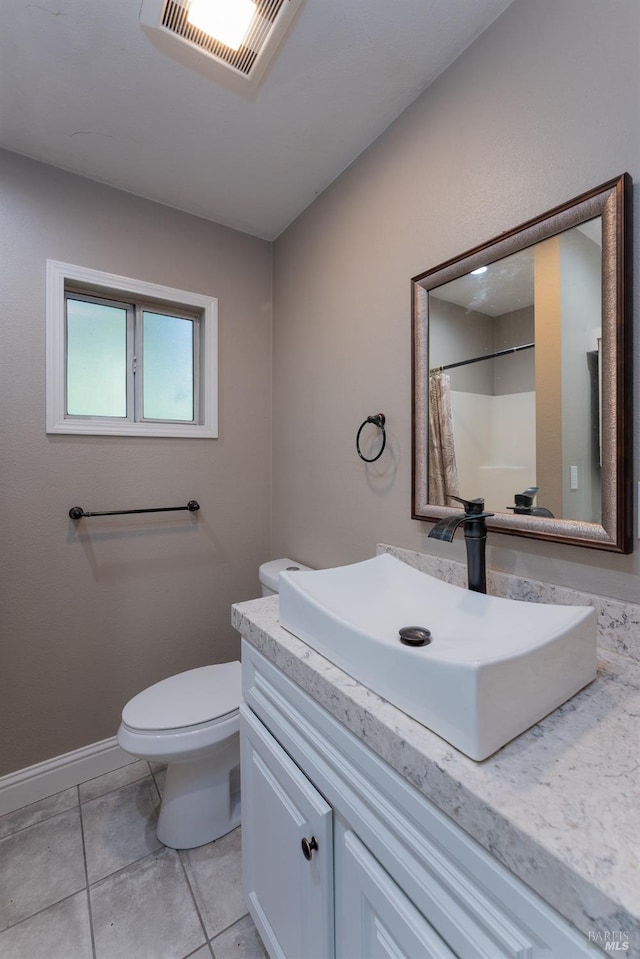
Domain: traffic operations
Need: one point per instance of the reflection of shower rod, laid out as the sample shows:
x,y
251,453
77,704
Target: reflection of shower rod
x,y
487,356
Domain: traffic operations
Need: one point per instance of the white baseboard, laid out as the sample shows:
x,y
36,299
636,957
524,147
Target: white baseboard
x,y
52,776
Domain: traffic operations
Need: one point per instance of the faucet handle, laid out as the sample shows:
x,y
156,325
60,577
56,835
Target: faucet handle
x,y
470,505
525,499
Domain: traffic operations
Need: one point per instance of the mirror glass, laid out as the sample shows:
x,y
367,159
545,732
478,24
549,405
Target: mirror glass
x,y
520,385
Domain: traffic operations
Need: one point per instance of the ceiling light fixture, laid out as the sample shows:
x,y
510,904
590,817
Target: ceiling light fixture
x,y
481,269
224,20
240,59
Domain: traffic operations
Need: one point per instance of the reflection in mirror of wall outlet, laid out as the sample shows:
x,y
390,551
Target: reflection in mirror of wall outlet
x,y
573,473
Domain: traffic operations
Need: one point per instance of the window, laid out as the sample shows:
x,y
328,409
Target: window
x,y
129,361
128,358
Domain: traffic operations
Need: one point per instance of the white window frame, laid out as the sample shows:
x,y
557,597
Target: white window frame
x,y
61,275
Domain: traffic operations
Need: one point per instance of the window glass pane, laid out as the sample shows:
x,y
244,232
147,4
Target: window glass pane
x,y
168,367
96,359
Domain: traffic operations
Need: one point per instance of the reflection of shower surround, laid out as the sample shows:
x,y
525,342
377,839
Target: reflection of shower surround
x,y
492,397
495,445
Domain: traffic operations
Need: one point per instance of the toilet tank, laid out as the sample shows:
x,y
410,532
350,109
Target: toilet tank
x,y
269,573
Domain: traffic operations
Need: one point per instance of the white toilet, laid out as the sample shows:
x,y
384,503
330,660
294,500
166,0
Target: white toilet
x,y
190,721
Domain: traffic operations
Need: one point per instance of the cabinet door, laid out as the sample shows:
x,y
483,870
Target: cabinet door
x,y
374,918
290,897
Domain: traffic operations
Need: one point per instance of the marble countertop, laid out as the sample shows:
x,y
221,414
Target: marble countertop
x,y
559,805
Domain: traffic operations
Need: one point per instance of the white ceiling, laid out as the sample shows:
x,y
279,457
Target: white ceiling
x,y
507,284
84,88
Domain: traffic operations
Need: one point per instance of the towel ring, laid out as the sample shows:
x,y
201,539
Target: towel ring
x,y
379,421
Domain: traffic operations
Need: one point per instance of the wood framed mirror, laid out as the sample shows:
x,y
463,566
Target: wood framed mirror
x,y
521,376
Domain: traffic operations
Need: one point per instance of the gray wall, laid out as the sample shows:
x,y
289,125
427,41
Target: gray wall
x,y
542,107
515,372
92,613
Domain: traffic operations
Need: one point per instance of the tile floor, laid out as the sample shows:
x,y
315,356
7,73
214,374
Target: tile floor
x,y
83,876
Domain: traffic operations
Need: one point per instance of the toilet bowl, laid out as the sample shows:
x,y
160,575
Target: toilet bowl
x,y
191,722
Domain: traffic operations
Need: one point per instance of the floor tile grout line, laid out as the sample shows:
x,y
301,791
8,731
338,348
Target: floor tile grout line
x,y
86,878
13,925
155,783
37,822
80,802
58,792
230,926
109,772
134,862
193,896
115,789
83,802
78,805
197,950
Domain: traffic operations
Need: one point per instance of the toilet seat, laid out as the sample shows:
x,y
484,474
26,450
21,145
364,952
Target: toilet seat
x,y
198,697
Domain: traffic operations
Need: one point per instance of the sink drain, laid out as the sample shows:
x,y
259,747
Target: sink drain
x,y
415,636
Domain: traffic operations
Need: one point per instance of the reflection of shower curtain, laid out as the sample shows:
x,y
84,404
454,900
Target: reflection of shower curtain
x,y
443,472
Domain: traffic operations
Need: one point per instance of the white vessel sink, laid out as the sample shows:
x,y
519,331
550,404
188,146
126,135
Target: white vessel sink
x,y
493,667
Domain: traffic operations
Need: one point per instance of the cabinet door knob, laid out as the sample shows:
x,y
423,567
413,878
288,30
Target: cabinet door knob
x,y
308,847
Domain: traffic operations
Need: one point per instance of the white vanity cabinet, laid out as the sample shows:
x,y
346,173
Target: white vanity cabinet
x,y
287,849
391,876
376,919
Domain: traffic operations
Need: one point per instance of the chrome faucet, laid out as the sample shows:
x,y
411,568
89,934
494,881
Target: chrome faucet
x,y
475,538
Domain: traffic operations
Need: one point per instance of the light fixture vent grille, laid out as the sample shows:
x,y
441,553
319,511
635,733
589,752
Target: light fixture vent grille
x,y
271,19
